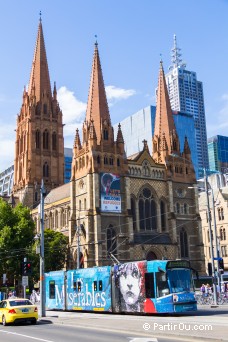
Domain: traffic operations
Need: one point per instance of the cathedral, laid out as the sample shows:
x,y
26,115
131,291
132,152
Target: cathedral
x,y
116,208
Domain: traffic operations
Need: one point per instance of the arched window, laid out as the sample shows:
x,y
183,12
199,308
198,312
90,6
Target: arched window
x,y
221,234
185,208
186,170
98,160
219,214
54,141
222,214
184,244
163,215
147,210
45,139
118,162
110,161
174,145
224,234
151,256
37,142
45,108
178,208
111,240
133,212
105,134
45,170
105,160
36,196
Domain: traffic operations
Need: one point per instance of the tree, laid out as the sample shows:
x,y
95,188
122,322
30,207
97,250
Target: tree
x,y
16,238
55,252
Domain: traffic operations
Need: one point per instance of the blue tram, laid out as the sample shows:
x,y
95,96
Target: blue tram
x,y
158,286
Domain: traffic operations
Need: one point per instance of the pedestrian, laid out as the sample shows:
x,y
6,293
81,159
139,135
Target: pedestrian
x,y
202,289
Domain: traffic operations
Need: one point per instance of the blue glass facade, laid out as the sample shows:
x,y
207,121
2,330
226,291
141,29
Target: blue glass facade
x,y
218,153
68,155
140,126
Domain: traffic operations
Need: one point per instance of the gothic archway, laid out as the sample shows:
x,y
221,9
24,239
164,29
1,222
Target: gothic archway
x,y
151,256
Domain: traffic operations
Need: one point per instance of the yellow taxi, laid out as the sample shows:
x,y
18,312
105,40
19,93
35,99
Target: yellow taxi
x,y
14,310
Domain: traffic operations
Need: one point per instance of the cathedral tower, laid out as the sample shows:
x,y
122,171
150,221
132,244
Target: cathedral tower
x,y
98,169
39,149
166,144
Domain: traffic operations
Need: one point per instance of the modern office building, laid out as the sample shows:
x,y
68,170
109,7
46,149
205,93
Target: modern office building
x,y
6,181
140,126
186,95
68,155
218,153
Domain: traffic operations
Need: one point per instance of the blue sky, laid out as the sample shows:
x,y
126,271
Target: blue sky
x,y
131,35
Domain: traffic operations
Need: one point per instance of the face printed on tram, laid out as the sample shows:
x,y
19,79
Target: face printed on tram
x,y
130,285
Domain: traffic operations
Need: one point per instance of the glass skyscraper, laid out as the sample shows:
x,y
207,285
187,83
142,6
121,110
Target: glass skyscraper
x,y
218,153
140,126
186,95
68,155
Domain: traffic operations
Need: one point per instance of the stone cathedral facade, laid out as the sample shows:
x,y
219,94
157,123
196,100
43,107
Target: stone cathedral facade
x,y
135,208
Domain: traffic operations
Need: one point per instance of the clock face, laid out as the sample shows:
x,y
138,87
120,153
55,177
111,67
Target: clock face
x,y
180,192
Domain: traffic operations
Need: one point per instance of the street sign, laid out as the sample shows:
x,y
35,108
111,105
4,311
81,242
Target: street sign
x,y
24,281
217,258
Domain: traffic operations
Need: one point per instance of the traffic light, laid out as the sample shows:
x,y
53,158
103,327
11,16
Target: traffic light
x,y
221,265
26,268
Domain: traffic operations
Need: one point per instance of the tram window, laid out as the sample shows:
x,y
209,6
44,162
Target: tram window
x,y
149,285
100,285
79,286
52,289
162,284
95,285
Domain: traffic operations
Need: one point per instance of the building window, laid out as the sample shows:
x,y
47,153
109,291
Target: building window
x,y
222,234
37,141
105,160
133,212
45,108
118,162
222,214
147,210
111,240
54,141
45,139
178,208
45,170
105,134
184,244
98,159
163,215
224,251
185,208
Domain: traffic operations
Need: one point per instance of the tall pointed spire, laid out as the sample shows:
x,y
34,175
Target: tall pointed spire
x,y
97,107
164,123
39,78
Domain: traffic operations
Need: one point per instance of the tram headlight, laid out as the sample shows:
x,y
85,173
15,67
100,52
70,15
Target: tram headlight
x,y
175,298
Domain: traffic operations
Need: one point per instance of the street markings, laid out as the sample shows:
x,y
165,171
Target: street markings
x,y
27,336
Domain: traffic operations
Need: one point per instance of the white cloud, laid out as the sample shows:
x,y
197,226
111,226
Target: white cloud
x,y
115,94
72,108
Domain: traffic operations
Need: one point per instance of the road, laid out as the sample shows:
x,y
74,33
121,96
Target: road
x,y
209,324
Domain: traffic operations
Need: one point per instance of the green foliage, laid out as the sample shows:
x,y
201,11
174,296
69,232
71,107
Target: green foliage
x,y
16,237
55,252
17,232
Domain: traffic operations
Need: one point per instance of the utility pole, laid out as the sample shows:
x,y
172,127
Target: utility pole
x,y
42,280
78,232
211,242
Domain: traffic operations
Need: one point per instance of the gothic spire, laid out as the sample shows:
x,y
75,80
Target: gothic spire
x,y
164,123
39,78
97,106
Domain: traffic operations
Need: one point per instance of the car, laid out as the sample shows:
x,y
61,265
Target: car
x,y
15,310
